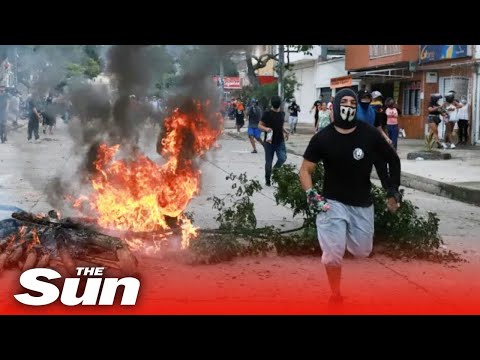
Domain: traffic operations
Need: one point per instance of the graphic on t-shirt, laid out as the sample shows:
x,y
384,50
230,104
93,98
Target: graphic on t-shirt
x,y
358,154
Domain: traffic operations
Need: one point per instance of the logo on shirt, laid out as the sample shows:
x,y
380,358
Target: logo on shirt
x,y
358,154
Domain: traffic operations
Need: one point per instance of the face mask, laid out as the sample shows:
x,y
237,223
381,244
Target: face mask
x,y
347,113
344,116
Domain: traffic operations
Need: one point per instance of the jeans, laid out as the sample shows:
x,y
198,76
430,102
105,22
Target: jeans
x,y
293,120
393,134
270,150
33,126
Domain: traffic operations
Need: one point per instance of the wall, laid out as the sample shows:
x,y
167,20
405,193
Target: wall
x,y
305,96
358,57
327,70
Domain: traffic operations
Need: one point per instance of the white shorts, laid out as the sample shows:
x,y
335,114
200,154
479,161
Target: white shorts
x,y
345,226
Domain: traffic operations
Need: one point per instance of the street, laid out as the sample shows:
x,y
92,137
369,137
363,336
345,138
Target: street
x,y
269,284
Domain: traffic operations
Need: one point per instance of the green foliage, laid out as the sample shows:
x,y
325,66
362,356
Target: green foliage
x,y
236,209
405,234
91,68
405,229
289,192
264,93
74,70
429,142
214,249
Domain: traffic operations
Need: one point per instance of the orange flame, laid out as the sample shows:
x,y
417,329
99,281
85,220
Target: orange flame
x,y
35,239
138,194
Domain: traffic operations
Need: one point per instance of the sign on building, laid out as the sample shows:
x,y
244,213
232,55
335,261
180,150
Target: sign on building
x,y
229,82
430,53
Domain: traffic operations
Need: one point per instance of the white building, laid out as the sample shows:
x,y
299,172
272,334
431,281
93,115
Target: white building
x,y
475,130
314,73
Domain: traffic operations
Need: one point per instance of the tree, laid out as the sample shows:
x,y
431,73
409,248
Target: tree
x,y
262,60
162,67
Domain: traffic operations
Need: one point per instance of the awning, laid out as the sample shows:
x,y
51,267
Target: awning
x,y
393,74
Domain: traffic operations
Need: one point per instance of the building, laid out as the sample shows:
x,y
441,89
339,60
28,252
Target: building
x,y
389,69
314,73
475,119
410,74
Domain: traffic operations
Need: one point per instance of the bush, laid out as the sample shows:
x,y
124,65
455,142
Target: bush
x,y
399,235
405,230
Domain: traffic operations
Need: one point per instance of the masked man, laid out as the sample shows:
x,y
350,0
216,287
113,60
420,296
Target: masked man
x,y
348,149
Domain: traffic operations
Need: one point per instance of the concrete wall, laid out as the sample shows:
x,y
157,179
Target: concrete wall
x,y
305,96
314,75
327,70
358,56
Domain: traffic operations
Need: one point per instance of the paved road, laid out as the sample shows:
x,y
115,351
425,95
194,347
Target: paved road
x,y
252,285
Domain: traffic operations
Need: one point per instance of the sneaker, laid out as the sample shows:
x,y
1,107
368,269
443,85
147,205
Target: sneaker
x,y
444,146
452,146
254,152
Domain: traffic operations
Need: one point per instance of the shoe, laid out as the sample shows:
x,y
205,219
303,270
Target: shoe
x,y
452,146
444,146
268,183
254,152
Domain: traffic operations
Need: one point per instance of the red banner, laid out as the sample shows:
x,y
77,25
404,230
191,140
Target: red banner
x,y
229,82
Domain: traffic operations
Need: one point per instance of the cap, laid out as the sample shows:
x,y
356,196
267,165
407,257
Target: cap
x,y
376,94
364,93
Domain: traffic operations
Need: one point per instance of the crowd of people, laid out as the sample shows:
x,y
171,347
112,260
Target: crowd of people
x,y
41,111
352,133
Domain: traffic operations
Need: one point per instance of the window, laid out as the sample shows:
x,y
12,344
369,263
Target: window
x,y
457,83
383,50
411,98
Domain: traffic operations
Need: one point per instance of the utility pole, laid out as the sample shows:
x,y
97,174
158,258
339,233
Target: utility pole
x,y
222,79
281,61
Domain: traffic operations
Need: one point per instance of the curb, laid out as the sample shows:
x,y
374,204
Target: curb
x,y
434,187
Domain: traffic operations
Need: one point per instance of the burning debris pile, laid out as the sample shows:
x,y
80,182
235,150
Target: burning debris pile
x,y
136,202
29,241
140,195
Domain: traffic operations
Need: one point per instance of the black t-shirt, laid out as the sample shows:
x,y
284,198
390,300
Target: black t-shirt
x,y
348,161
274,120
294,109
254,116
380,118
31,104
316,104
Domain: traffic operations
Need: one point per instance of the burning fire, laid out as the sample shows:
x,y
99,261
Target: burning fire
x,y
138,194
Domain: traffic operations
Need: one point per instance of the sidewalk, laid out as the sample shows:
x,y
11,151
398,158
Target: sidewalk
x,y
457,178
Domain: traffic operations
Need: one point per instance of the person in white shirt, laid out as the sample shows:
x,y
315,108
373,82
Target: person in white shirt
x,y
463,122
452,106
